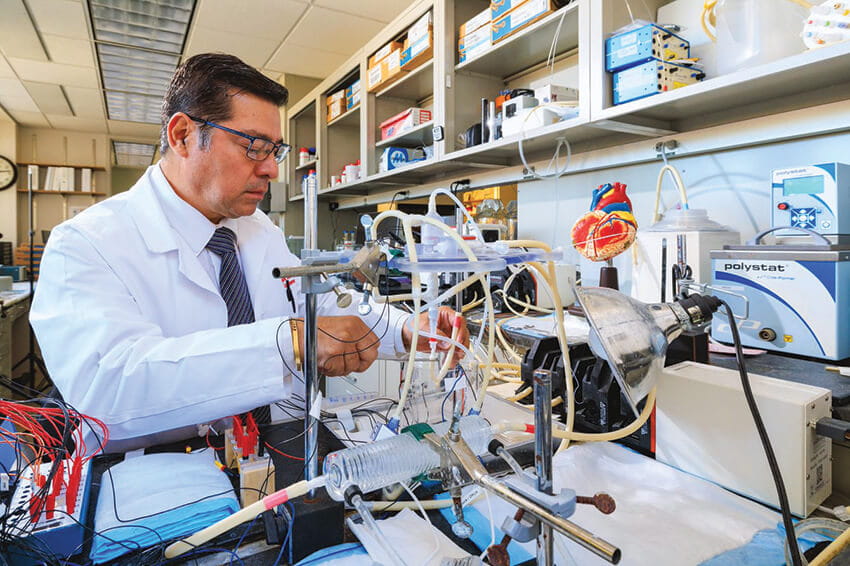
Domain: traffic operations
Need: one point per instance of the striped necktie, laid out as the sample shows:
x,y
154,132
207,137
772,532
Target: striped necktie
x,y
231,279
234,291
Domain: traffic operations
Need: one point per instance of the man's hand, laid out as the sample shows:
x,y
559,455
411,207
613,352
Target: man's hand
x,y
445,323
345,345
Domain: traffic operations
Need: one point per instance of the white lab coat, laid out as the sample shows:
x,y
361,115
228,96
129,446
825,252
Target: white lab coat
x,y
134,331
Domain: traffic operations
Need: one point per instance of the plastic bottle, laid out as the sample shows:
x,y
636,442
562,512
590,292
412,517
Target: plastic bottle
x,y
312,182
303,157
383,463
752,32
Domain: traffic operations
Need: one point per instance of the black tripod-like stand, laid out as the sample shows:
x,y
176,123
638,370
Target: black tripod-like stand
x,y
29,380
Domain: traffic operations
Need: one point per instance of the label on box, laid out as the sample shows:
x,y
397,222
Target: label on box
x,y
383,52
352,88
470,40
418,48
523,15
499,8
474,51
336,97
474,23
375,76
419,29
353,100
393,63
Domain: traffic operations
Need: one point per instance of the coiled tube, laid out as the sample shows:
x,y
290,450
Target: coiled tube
x,y
392,460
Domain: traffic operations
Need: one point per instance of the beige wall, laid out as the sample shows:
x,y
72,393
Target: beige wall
x,y
125,177
8,198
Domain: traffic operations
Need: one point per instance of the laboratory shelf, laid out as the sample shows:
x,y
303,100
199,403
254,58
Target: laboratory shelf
x,y
416,85
350,117
822,75
309,165
529,46
418,136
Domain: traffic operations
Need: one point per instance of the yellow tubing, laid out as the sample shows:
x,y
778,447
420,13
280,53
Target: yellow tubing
x,y
831,551
519,397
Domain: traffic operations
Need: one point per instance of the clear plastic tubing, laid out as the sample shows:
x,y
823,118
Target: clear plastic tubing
x,y
392,460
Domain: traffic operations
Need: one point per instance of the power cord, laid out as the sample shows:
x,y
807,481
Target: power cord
x,y
787,520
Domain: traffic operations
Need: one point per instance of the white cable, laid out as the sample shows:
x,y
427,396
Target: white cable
x,y
492,525
561,141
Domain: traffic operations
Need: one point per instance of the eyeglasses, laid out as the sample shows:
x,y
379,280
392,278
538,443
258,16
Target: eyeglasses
x,y
259,148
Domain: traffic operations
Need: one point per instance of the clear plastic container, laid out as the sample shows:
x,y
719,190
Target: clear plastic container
x,y
687,220
400,458
752,32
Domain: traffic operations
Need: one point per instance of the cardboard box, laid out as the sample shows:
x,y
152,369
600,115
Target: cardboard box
x,y
521,16
336,109
475,22
421,28
499,8
474,38
352,101
483,45
352,88
375,76
404,121
418,53
336,97
394,157
384,52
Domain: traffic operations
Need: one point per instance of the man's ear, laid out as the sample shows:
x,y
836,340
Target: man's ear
x,y
180,126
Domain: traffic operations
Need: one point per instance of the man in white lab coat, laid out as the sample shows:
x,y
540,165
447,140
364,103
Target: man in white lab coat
x,y
135,314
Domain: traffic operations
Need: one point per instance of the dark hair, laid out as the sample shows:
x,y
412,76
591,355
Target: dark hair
x,y
203,85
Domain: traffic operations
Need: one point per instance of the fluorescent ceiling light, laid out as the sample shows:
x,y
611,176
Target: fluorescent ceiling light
x,y
133,154
133,107
139,43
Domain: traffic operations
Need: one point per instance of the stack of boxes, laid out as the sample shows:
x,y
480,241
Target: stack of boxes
x,y
352,95
643,63
501,20
343,100
419,43
336,105
396,58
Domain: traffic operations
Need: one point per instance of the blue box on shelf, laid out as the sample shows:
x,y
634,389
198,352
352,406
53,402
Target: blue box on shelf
x,y
640,45
394,157
652,77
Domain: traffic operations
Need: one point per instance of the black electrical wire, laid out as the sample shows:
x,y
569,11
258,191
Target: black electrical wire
x,y
787,520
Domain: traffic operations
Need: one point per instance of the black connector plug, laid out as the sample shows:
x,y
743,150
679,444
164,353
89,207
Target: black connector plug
x,y
835,429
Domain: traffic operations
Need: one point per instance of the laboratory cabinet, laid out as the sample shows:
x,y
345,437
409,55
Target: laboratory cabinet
x,y
565,47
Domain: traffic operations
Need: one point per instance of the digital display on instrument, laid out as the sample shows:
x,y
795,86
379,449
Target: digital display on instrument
x,y
803,185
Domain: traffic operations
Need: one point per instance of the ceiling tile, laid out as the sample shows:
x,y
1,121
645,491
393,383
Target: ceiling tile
x,y
86,102
6,71
49,97
69,75
69,51
77,124
60,17
333,31
18,36
306,61
268,19
140,132
381,10
14,96
254,51
34,119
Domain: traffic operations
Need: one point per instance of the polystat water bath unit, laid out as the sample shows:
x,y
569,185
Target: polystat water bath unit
x,y
797,297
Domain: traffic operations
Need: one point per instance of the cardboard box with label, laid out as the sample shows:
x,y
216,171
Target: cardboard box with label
x,y
418,53
521,14
475,22
336,108
421,28
404,121
384,52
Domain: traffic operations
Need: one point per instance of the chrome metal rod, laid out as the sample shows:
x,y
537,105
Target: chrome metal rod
x,y
478,473
543,456
588,540
303,270
311,368
311,389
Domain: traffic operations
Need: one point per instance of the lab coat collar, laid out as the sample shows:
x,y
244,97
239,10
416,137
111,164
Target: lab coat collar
x,y
163,223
